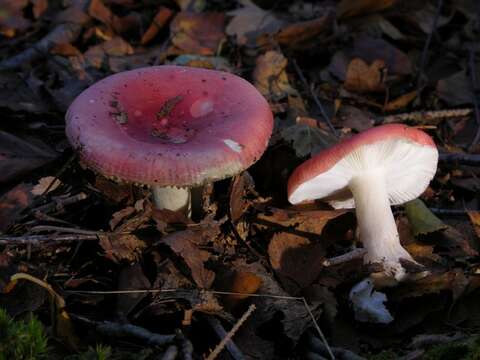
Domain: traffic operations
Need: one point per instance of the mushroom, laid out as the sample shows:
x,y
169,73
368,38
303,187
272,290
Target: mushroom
x,y
171,128
383,166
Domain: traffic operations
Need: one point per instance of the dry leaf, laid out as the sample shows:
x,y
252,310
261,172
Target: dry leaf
x,y
243,282
250,21
270,77
13,203
475,220
163,15
362,77
48,182
39,7
242,185
197,33
97,55
183,243
351,8
401,101
119,247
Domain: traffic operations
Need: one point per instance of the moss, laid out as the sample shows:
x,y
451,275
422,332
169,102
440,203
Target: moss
x,y
22,340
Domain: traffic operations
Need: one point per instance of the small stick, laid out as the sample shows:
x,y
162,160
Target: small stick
x,y
218,349
425,116
315,98
58,205
40,239
222,333
119,330
351,255
464,159
41,228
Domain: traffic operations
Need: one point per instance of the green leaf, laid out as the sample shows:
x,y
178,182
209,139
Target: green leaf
x,y
421,219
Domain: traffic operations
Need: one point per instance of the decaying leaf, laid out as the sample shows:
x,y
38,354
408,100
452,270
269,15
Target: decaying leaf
x,y
362,77
48,183
163,15
270,77
422,220
19,156
197,33
351,8
250,21
13,203
241,187
307,140
183,243
475,220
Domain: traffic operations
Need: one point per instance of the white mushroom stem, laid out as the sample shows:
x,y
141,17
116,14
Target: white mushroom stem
x,y
378,231
172,198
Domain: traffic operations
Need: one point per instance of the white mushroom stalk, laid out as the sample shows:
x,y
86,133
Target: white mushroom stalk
x,y
172,198
378,231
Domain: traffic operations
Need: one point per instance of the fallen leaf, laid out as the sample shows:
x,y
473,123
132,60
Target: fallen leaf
x,y
455,90
19,156
117,193
362,77
355,118
131,278
242,186
13,203
119,247
243,282
99,11
163,15
270,76
351,8
401,102
39,7
183,243
197,33
475,220
250,21
49,183
421,219
97,55
307,140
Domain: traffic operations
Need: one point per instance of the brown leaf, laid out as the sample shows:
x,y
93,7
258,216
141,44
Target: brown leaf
x,y
119,247
296,261
98,54
131,278
18,156
401,101
250,22
197,33
163,15
242,185
183,243
13,203
475,220
244,282
362,77
65,50
270,76
351,8
99,11
39,7
121,215
302,34
114,192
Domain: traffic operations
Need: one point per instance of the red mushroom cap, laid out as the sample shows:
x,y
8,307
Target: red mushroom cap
x,y
169,125
312,169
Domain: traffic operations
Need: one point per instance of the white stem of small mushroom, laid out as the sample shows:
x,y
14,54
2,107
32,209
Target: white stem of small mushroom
x,y
378,231
172,198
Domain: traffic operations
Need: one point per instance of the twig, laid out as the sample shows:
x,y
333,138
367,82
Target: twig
x,y
426,116
218,349
423,59
61,34
351,255
464,159
59,204
222,333
473,77
120,330
171,353
457,212
315,98
41,239
62,229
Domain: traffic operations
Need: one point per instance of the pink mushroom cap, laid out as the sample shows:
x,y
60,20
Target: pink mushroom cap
x,y
169,126
408,155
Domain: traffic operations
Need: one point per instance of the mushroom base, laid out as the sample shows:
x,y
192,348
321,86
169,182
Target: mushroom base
x,y
378,230
172,198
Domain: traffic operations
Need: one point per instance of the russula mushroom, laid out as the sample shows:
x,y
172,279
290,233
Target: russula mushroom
x,y
169,127
383,166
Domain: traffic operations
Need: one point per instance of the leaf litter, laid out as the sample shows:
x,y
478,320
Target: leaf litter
x,y
121,270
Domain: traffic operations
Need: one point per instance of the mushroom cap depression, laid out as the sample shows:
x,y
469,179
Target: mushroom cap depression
x,y
169,125
406,156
